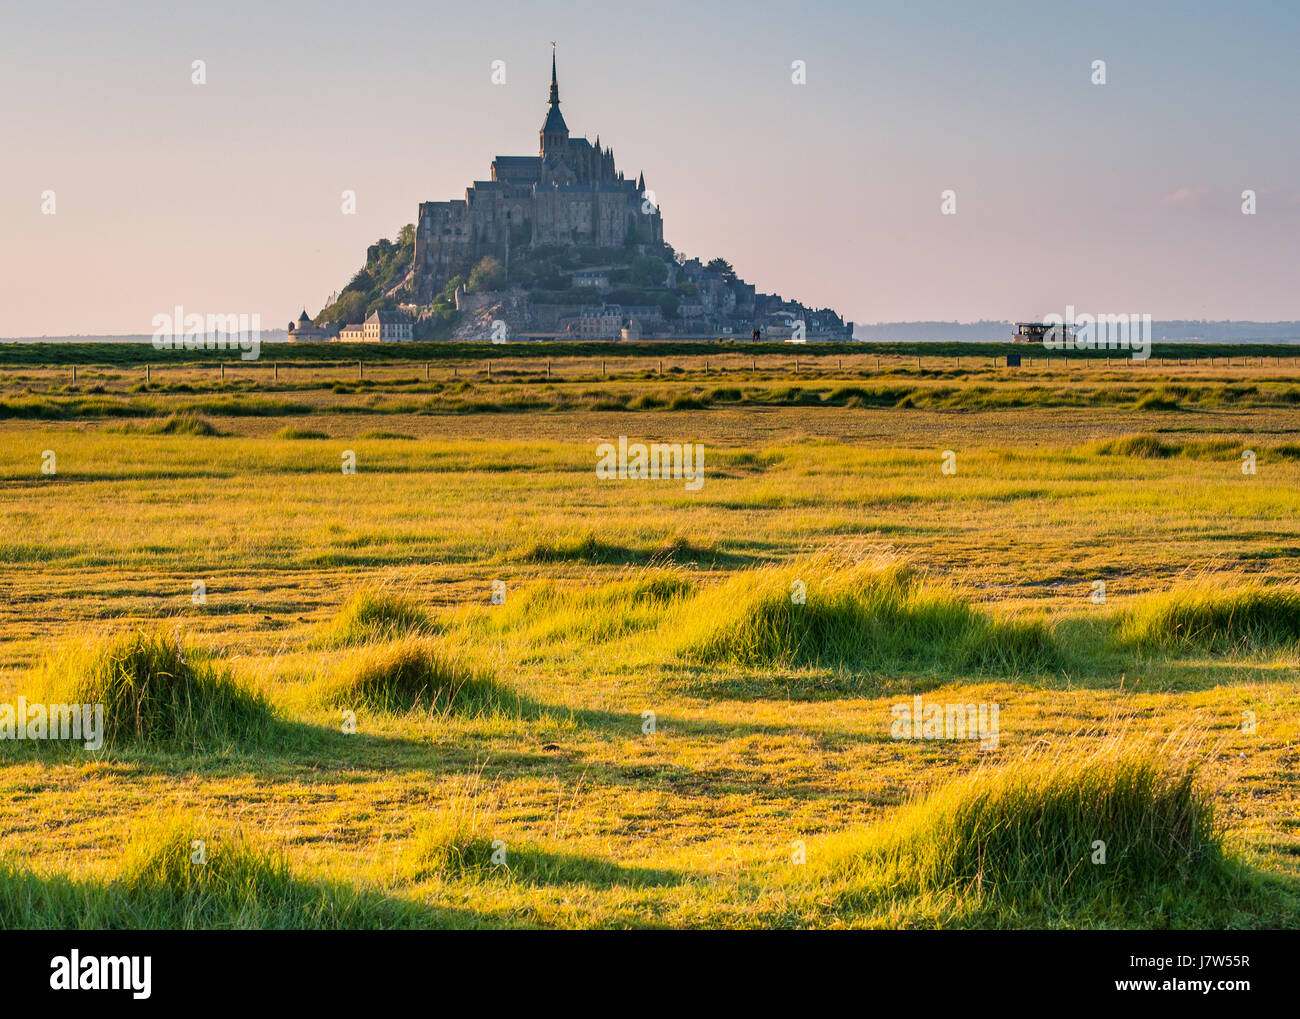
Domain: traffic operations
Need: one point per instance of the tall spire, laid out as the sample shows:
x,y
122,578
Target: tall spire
x,y
555,85
555,132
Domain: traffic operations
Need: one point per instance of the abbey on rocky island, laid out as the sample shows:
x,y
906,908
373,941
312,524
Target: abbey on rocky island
x,y
571,192
558,245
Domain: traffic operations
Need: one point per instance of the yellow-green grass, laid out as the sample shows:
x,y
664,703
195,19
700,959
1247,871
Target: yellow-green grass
x,y
404,674
182,423
155,690
1211,613
632,783
375,613
1125,831
186,872
878,618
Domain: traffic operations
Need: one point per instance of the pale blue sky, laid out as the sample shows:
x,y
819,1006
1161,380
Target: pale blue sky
x,y
225,198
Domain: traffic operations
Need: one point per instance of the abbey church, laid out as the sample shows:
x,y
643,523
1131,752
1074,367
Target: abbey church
x,y
571,192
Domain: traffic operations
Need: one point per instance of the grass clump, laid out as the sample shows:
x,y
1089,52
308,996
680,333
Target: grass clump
x,y
185,873
870,617
453,845
185,858
550,611
587,548
1211,616
374,613
404,674
1022,844
173,424
156,690
1158,401
461,845
1146,447
1150,447
289,432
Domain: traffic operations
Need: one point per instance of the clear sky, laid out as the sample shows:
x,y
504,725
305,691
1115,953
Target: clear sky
x,y
225,197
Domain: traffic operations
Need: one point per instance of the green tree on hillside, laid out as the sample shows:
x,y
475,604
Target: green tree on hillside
x,y
723,268
361,282
487,275
648,272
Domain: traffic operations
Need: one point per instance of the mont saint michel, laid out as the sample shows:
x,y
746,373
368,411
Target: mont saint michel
x,y
563,244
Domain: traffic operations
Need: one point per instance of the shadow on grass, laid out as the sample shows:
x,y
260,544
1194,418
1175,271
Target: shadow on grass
x,y
535,866
1092,658
592,550
33,901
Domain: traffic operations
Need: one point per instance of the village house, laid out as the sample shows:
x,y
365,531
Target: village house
x,y
387,327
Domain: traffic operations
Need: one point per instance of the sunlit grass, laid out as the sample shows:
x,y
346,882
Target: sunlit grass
x,y
651,721
375,613
1124,830
878,617
157,690
1217,614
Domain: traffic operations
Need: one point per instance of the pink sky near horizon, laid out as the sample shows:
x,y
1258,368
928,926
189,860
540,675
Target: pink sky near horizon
x,y
225,197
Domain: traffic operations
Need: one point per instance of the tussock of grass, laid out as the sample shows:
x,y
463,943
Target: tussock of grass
x,y
173,424
1212,616
591,549
156,690
403,674
873,617
1022,838
1158,401
460,846
234,868
452,845
290,432
1144,446
1151,447
239,883
548,611
375,613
